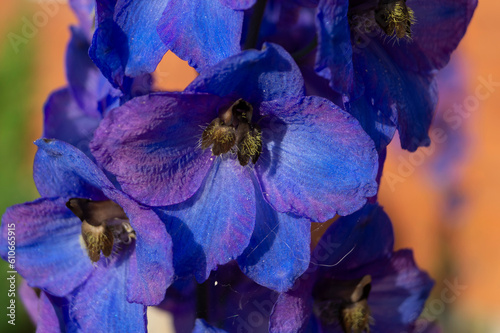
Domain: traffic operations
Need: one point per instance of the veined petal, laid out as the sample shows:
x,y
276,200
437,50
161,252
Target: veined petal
x,y
215,225
253,75
316,159
151,145
202,32
101,305
278,252
48,252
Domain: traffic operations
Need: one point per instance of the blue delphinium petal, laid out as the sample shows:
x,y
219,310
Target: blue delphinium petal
x,y
412,95
215,225
83,76
201,326
84,11
334,54
359,238
310,140
48,250
43,313
100,305
163,165
201,32
255,76
125,42
278,252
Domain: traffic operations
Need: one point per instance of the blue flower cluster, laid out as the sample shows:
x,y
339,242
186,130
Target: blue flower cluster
x,y
203,199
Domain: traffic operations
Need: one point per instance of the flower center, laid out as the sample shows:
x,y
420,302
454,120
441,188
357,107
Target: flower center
x,y
346,302
104,225
394,17
233,131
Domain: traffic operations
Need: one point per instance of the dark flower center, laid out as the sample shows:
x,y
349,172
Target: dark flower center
x,y
233,131
346,303
394,17
104,225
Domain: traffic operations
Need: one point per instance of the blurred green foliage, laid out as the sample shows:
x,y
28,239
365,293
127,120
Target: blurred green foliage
x,y
16,182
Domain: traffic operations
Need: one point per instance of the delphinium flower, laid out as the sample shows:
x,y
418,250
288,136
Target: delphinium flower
x,y
98,252
240,163
360,286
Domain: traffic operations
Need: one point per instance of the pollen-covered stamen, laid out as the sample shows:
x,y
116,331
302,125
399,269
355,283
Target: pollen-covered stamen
x,y
104,225
234,131
345,302
395,18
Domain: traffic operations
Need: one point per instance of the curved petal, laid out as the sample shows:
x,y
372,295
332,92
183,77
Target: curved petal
x,y
439,28
278,252
334,54
83,76
100,305
125,42
215,225
202,32
400,288
355,240
255,76
84,11
408,97
316,159
65,120
62,170
151,270
293,309
151,145
46,237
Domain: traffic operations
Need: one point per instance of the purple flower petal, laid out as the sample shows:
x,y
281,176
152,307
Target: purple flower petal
x,y
215,225
316,159
65,120
202,32
238,4
151,145
278,252
47,245
255,76
84,10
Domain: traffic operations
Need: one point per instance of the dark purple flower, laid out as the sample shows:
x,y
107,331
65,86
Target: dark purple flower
x,y
355,282
241,162
107,256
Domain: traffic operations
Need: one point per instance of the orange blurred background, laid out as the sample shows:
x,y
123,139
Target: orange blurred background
x,y
459,248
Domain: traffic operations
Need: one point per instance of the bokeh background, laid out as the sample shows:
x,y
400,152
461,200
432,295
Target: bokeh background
x,y
444,200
